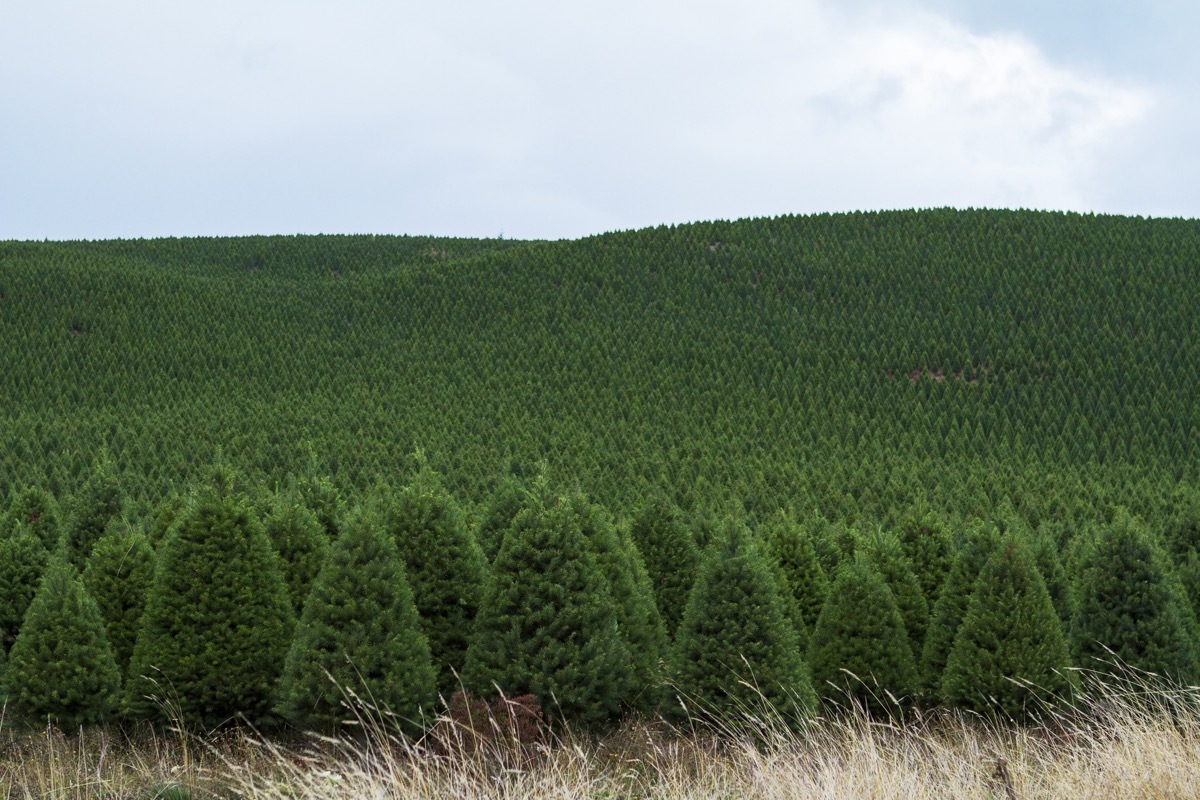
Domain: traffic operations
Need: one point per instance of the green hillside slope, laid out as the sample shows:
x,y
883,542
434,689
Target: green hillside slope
x,y
852,364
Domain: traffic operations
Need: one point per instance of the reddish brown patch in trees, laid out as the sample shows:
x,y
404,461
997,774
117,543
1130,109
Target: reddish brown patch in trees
x,y
76,330
33,516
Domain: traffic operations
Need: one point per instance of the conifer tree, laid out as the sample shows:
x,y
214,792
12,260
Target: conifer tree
x,y
548,622
445,568
860,648
218,619
301,542
1010,653
118,577
23,560
324,499
979,541
670,556
638,621
793,549
359,637
1132,608
926,542
503,505
35,509
736,646
97,503
61,667
888,557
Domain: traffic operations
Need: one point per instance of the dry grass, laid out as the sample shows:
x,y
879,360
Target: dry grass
x,y
1117,744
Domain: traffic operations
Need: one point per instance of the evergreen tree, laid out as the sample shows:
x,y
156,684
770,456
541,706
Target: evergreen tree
x,y
301,542
1011,649
218,619
35,509
1050,564
979,541
445,568
1131,608
23,559
638,621
548,623
320,496
736,646
792,547
98,503
670,556
1182,537
118,577
164,519
888,557
359,636
61,667
503,505
860,648
926,542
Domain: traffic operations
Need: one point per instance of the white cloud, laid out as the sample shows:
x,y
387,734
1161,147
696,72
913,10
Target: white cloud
x,y
536,118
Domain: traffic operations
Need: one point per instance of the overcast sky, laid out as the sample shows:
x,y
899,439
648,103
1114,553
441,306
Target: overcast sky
x,y
552,119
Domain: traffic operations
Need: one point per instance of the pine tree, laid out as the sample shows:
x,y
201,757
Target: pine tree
x,y
792,547
670,556
1131,608
23,559
359,636
888,557
860,648
320,496
118,577
35,509
1010,653
61,667
548,622
503,505
218,619
98,503
926,542
301,542
638,621
445,568
736,647
979,541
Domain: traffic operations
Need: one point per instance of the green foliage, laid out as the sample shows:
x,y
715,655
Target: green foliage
x,y
670,555
445,568
736,648
1010,653
35,509
97,504
926,540
218,620
61,667
322,497
978,544
791,547
888,557
503,505
23,559
359,637
118,577
860,651
548,622
1131,608
301,542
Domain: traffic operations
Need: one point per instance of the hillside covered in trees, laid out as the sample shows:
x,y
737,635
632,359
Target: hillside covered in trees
x,y
889,434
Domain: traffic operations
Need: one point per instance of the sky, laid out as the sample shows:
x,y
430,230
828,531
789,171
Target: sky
x,y
532,119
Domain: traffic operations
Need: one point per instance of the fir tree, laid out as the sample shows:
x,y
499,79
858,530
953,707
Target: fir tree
x,y
548,623
320,496
638,621
503,505
926,542
118,577
61,667
1010,653
1132,608
301,542
670,556
792,548
98,503
445,568
736,647
979,541
35,509
23,559
218,620
888,557
359,636
860,648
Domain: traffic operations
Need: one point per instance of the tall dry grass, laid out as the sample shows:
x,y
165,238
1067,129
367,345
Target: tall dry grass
x,y
1120,742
